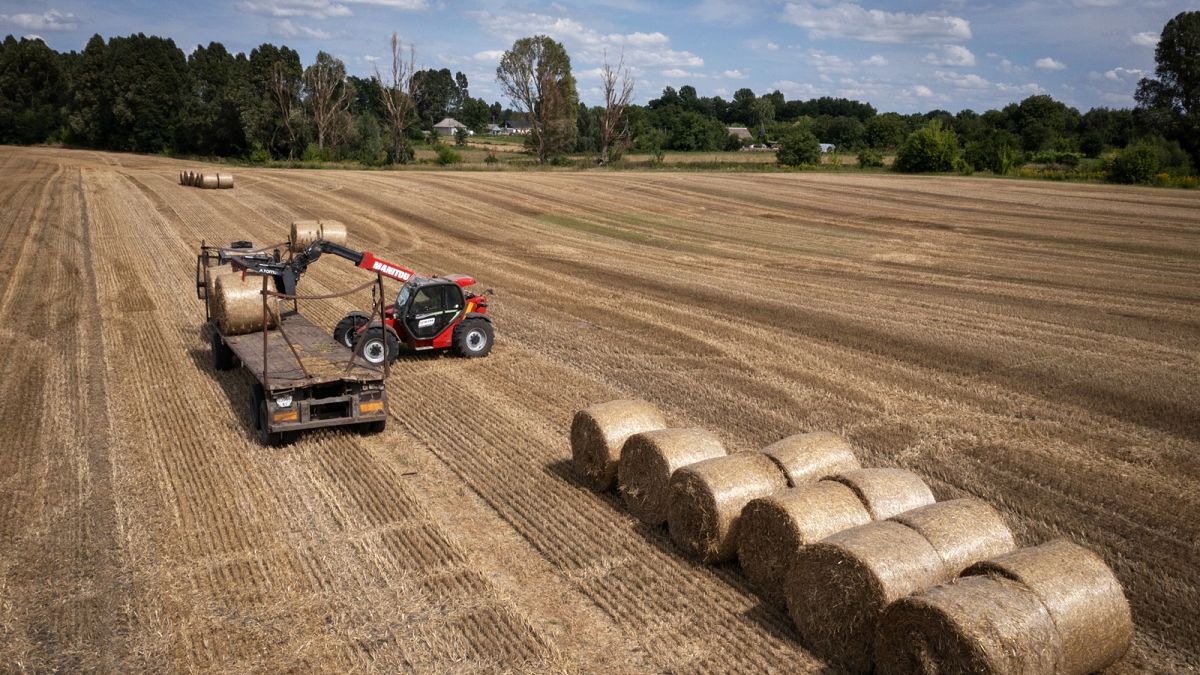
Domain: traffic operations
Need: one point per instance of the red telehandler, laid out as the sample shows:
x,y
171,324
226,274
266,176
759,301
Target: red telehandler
x,y
430,313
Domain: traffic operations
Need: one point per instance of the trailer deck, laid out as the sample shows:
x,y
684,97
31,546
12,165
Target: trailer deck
x,y
318,359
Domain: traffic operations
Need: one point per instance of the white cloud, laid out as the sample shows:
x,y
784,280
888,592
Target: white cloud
x,y
405,5
960,81
951,55
33,36
772,47
489,56
794,89
823,19
829,63
922,91
1048,63
315,9
1097,3
49,20
1124,74
1011,68
676,72
734,74
1020,89
1146,39
287,28
641,50
370,59
875,60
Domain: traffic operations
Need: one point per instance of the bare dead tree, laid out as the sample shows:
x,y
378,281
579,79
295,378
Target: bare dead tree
x,y
327,93
618,90
285,91
398,97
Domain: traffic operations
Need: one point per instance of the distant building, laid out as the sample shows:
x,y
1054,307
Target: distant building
x,y
827,148
742,133
497,130
448,126
520,127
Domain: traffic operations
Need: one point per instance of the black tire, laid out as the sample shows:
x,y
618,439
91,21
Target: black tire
x,y
346,331
376,343
473,338
223,357
258,413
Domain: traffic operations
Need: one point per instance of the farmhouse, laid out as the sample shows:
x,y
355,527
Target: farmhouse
x,y
520,127
448,126
742,133
827,148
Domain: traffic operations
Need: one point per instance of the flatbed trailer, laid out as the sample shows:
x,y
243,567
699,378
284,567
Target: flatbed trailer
x,y
304,379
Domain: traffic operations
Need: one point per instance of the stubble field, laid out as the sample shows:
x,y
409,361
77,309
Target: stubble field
x,y
1032,344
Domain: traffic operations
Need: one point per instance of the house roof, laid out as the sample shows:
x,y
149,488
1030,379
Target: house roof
x,y
740,132
450,122
518,124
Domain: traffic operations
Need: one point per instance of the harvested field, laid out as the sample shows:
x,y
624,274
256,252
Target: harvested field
x,y
1030,344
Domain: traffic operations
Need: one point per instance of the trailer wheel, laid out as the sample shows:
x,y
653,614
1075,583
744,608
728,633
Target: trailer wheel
x,y
377,344
223,357
346,331
473,338
258,413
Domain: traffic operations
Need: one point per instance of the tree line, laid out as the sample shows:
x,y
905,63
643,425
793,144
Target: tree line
x,y
142,93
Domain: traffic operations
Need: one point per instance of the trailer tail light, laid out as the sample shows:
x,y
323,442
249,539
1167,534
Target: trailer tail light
x,y
370,407
286,416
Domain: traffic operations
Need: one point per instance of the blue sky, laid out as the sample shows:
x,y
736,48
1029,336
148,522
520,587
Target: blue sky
x,y
902,56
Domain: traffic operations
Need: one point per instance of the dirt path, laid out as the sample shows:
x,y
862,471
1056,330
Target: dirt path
x,y
1033,344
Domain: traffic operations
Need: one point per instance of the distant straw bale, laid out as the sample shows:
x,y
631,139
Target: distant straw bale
x,y
810,457
650,458
707,499
599,431
774,528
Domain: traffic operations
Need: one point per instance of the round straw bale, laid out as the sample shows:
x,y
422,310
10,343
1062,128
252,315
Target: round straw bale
x,y
1082,595
240,307
838,587
208,181
598,432
887,492
649,458
806,458
181,176
334,231
707,499
774,528
982,624
304,232
224,181
210,285
962,531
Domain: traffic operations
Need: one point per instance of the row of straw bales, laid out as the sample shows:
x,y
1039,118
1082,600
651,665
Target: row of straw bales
x,y
209,181
875,574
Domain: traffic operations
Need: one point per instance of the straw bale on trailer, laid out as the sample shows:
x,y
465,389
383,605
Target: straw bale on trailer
x,y
239,304
1082,595
304,232
333,231
837,588
707,499
599,431
978,624
774,528
810,457
650,458
210,285
887,492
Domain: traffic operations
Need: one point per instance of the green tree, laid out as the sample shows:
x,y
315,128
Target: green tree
x,y
931,149
885,132
536,76
212,118
763,110
798,147
327,95
32,91
475,114
91,105
269,99
1174,92
147,81
434,92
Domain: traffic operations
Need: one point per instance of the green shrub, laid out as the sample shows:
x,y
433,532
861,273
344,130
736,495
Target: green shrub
x,y
932,149
447,155
259,154
491,159
798,147
460,137
1135,164
868,159
561,160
